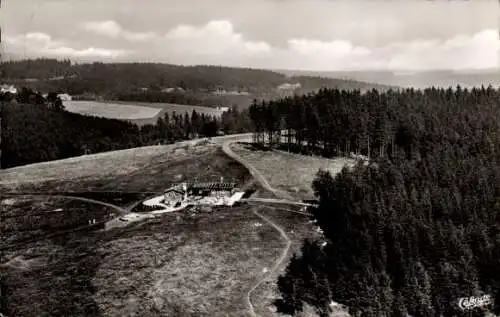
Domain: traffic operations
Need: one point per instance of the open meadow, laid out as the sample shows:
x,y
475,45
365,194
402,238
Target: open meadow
x,y
140,113
289,172
104,170
111,110
188,263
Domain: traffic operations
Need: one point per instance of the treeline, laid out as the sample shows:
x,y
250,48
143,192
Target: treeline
x,y
317,82
407,122
101,78
33,130
41,68
416,229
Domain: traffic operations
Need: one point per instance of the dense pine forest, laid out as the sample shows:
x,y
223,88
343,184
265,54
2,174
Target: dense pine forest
x,y
416,228
37,129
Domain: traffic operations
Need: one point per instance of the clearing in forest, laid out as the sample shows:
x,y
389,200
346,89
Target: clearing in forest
x,y
292,173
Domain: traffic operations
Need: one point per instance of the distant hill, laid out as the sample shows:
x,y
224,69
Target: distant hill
x,y
198,82
443,79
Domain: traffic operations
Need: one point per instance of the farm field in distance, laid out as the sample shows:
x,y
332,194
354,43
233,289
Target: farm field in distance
x,y
110,110
140,113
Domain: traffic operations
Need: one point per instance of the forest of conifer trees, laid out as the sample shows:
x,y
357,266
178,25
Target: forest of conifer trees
x,y
415,229
408,234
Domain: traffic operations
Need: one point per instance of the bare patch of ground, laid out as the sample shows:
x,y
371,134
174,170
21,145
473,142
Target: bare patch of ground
x,y
191,263
201,264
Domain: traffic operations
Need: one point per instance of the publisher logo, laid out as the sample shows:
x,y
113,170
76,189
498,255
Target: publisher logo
x,y
468,303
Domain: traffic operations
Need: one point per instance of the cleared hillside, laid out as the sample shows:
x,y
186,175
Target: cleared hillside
x,y
196,263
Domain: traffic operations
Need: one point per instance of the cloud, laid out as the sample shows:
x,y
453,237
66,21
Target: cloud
x,y
36,44
463,51
112,29
214,38
217,42
333,49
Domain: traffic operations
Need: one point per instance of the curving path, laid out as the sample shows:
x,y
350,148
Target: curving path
x,y
285,197
226,147
119,210
277,264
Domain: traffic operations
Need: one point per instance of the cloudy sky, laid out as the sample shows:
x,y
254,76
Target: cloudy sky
x,y
279,34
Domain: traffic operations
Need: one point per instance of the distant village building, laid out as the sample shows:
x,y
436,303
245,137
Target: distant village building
x,y
219,91
174,196
64,97
173,89
288,87
237,93
87,96
223,109
8,88
56,78
210,189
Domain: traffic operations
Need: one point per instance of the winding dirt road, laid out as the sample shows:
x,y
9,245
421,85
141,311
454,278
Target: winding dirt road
x,y
226,147
277,263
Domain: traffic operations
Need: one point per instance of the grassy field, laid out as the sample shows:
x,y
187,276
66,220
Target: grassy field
x,y
111,110
292,173
170,108
190,263
140,113
155,167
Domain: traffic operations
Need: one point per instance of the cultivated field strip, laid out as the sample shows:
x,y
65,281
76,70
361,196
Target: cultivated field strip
x,y
111,110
